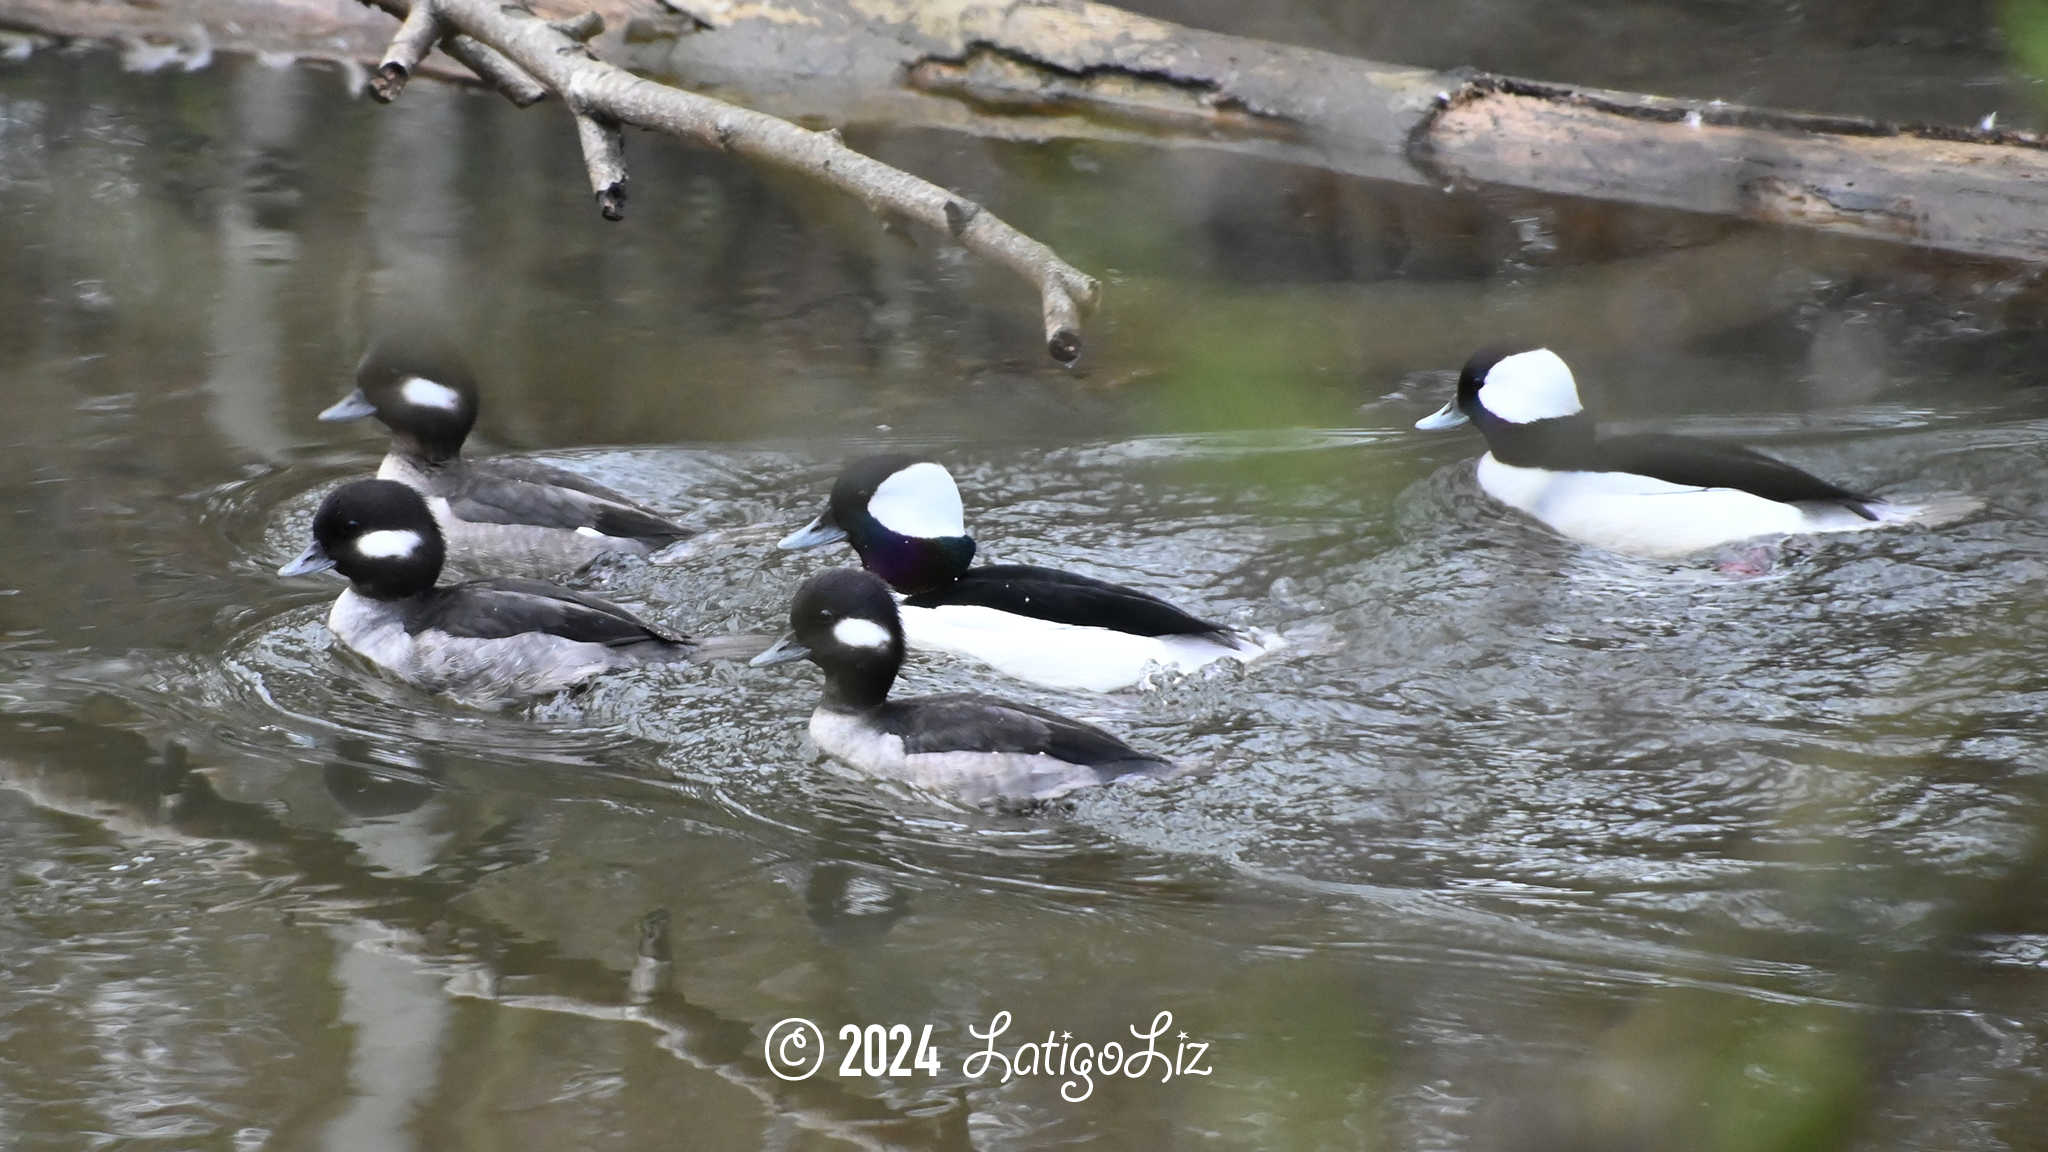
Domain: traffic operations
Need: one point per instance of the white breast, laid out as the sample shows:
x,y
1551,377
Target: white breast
x,y
972,777
1643,516
1058,655
373,629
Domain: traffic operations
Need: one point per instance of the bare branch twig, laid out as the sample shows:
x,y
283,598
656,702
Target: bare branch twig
x,y
604,97
415,39
604,154
487,62
581,27
492,68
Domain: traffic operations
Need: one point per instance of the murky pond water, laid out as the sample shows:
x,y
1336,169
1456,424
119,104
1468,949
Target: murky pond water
x,y
1516,845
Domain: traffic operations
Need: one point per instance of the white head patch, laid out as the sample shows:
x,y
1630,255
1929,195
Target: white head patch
x,y
920,501
1530,386
855,632
388,543
420,391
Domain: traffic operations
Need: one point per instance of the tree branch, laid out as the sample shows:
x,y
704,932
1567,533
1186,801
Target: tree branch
x,y
1074,69
488,63
415,38
604,155
602,97
493,69
581,27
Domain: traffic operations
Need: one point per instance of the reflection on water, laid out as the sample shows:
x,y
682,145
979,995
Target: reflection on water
x,y
400,1020
1517,844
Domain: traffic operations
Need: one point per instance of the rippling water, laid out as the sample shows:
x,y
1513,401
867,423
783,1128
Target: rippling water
x,y
1515,844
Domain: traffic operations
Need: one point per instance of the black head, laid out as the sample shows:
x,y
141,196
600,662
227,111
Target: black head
x,y
1481,365
378,533
844,621
1522,398
903,515
419,387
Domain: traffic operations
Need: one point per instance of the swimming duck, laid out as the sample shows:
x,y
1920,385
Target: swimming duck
x,y
903,515
1651,495
964,744
495,513
484,641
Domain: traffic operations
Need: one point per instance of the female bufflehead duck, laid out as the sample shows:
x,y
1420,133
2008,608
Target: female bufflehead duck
x,y
903,516
493,513
960,743
484,641
1650,495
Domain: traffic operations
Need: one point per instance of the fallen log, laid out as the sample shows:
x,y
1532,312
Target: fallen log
x,y
1964,190
1059,68
1056,69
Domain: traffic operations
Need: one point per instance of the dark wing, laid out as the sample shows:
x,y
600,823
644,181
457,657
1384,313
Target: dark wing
x,y
1709,464
971,722
1064,598
523,492
535,472
502,606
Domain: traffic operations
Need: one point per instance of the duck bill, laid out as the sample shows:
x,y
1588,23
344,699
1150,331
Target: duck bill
x,y
1447,416
786,651
353,406
313,559
817,533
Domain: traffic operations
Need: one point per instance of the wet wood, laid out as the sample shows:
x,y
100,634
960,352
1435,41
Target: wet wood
x,y
1961,191
1064,69
1046,69
1056,68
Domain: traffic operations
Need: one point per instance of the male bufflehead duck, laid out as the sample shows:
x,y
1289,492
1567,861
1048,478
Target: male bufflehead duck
x,y
903,516
1650,495
493,513
964,744
483,641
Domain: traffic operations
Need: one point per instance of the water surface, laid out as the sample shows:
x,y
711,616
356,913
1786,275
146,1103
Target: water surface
x,y
1517,844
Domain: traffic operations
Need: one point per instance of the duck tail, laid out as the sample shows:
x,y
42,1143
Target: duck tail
x,y
1935,511
1138,764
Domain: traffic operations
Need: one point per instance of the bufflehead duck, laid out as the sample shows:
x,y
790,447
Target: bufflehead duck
x,y
964,744
903,516
1650,495
484,641
495,513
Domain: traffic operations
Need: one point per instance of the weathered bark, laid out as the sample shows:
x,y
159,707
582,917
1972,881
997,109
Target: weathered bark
x,y
1045,69
1965,191
1063,68
492,68
417,32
